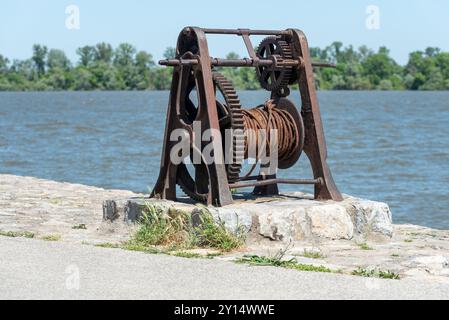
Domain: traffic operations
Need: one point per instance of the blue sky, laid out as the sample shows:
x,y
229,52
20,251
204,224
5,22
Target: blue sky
x,y
405,25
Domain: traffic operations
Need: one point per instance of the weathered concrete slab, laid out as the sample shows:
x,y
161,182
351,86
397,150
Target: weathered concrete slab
x,y
285,218
45,207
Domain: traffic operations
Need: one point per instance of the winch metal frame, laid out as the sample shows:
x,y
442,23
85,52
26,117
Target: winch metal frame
x,y
193,60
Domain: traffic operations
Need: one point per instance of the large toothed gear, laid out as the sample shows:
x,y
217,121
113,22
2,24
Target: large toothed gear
x,y
272,77
233,120
230,116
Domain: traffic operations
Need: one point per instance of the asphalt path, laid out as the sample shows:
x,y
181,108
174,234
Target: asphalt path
x,y
34,269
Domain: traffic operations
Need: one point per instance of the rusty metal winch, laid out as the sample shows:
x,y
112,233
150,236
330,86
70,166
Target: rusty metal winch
x,y
200,94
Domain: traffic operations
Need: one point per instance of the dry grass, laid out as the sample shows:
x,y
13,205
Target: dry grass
x,y
175,229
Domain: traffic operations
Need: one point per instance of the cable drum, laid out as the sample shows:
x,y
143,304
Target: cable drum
x,y
276,114
282,117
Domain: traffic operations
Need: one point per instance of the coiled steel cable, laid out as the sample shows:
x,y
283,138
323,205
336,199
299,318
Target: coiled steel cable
x,y
268,117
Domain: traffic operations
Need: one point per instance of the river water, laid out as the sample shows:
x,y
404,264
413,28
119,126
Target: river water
x,y
386,146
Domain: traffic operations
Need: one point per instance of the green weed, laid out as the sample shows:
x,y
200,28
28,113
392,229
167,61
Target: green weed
x,y
54,237
375,273
17,234
276,262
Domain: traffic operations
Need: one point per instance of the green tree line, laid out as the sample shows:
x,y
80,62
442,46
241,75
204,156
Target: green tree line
x,y
102,67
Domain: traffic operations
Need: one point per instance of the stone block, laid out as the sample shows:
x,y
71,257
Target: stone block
x,y
289,217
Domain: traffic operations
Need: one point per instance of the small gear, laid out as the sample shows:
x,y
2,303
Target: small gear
x,y
274,78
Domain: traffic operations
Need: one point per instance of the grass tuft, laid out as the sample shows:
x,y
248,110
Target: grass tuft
x,y
278,262
175,229
130,247
187,255
375,273
395,255
157,227
108,245
17,234
364,246
154,250
140,248
312,254
80,227
214,234
54,237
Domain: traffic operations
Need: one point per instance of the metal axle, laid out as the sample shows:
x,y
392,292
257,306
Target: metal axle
x,y
268,182
245,62
241,32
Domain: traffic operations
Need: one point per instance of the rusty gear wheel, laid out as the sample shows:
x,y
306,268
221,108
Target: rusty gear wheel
x,y
274,78
230,116
233,120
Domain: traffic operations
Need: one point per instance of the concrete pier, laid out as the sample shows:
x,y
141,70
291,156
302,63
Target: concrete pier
x,y
347,235
286,218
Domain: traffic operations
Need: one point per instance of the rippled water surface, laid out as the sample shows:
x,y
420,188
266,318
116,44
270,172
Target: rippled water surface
x,y
387,146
